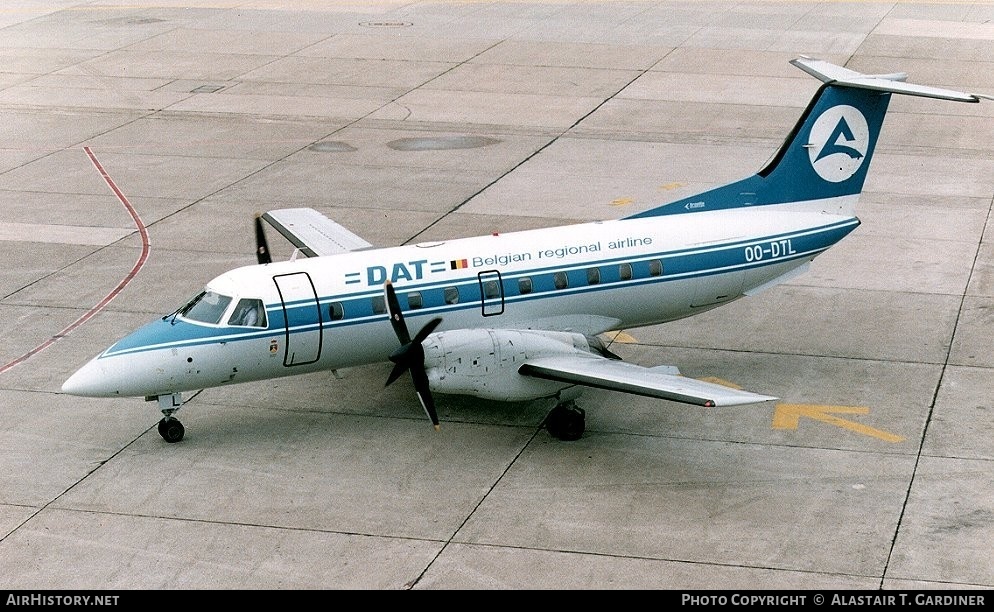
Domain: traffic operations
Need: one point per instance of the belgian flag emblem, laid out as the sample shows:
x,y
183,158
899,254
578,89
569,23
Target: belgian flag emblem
x,y
458,264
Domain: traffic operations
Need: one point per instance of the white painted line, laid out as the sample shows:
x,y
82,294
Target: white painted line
x,y
62,234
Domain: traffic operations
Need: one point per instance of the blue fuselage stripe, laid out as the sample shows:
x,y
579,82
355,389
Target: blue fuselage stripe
x,y
358,306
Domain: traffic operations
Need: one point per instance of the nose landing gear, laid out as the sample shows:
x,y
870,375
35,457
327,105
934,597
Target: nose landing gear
x,y
170,428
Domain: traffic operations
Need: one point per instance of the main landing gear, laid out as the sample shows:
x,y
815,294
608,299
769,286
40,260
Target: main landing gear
x,y
566,421
170,428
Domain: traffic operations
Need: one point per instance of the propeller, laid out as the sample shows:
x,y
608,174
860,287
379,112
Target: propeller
x,y
261,246
411,354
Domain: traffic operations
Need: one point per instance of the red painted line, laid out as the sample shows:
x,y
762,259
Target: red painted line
x,y
146,247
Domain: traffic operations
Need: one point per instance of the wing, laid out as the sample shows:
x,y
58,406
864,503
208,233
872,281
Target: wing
x,y
663,382
313,233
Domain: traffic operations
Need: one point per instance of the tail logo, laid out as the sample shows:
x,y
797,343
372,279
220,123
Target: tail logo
x,y
838,142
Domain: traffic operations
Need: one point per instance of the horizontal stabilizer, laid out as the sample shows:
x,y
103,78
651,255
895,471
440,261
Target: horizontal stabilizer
x,y
892,83
661,382
823,162
313,233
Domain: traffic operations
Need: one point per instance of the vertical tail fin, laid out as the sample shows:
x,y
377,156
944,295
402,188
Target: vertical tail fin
x,y
825,157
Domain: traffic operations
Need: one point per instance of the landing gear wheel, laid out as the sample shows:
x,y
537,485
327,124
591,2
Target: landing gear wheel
x,y
171,430
566,421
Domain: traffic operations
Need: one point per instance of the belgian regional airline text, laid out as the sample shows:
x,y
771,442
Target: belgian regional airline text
x,y
418,269
557,253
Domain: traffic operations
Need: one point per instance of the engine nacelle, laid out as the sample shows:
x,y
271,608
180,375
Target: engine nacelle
x,y
485,362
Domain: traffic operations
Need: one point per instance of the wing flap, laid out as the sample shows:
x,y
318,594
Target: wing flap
x,y
313,233
662,382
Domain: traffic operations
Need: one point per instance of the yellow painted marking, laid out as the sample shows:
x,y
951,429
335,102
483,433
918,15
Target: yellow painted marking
x,y
622,201
671,186
721,381
621,337
787,416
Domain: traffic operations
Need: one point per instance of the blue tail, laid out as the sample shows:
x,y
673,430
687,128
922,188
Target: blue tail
x,y
826,156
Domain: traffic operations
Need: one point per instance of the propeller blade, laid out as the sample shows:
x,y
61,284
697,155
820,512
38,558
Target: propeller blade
x,y
396,316
397,372
403,360
424,394
261,246
410,355
426,330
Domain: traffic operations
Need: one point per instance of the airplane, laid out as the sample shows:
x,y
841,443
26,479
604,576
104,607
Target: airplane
x,y
518,316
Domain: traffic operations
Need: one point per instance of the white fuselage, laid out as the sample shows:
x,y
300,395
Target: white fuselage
x,y
328,312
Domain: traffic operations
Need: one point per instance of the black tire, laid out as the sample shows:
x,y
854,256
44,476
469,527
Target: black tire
x,y
171,430
566,422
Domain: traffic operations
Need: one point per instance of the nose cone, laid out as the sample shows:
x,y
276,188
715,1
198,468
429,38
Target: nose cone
x,y
132,367
92,380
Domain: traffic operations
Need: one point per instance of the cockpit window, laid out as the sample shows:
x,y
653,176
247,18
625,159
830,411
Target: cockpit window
x,y
249,312
208,307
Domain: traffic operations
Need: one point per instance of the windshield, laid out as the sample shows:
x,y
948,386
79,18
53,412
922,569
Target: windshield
x,y
205,308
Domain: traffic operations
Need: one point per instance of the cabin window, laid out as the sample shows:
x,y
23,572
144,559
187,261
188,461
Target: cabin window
x,y
655,267
524,285
336,312
379,304
208,307
625,271
593,276
560,280
414,300
491,290
249,312
451,295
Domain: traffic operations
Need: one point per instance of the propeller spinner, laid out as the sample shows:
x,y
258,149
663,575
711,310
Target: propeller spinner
x,y
411,354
